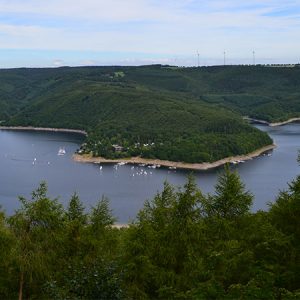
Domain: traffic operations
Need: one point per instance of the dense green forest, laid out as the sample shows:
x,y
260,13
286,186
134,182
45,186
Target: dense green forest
x,y
179,114
183,245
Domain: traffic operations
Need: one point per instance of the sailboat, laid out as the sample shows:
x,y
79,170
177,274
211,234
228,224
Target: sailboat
x,y
61,151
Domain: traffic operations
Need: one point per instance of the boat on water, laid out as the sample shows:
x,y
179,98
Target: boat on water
x,y
61,151
152,166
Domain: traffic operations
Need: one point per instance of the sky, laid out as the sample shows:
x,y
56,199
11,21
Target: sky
x,y
53,33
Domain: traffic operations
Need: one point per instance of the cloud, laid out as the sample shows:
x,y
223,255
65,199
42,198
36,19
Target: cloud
x,y
153,27
24,31
99,10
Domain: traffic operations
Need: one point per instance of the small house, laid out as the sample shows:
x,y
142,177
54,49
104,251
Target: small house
x,y
117,148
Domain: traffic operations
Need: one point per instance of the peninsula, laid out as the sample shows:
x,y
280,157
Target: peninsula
x,y
179,115
86,158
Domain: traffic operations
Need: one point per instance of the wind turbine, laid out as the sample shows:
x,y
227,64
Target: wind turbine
x,y
198,58
253,53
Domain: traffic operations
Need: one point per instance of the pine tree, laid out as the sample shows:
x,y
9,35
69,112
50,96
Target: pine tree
x,y
36,227
231,200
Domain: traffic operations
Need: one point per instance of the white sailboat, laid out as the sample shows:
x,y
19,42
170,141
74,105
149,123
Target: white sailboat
x,y
61,151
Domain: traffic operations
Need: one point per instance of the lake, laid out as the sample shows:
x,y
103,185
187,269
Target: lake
x,y
29,157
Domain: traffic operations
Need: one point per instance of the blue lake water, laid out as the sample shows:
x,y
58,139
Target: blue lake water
x,y
29,157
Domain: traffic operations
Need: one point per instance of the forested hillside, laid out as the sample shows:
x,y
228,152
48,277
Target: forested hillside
x,y
183,245
264,92
179,114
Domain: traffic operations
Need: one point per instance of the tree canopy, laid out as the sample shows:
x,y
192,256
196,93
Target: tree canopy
x,y
178,114
183,244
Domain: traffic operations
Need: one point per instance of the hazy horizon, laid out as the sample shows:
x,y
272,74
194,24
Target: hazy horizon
x,y
150,64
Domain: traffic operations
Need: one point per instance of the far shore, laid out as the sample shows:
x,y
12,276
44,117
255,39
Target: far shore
x,y
291,120
30,128
87,158
284,122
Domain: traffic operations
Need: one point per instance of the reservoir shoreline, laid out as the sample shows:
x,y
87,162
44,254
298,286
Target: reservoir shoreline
x,y
87,158
291,120
284,122
30,128
126,186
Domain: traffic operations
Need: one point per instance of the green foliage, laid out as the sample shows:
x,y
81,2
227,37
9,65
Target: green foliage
x,y
76,210
286,210
101,215
187,245
164,246
46,250
178,114
36,227
284,215
183,245
7,242
95,281
230,200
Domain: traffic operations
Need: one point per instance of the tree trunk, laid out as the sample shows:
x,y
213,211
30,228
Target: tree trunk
x,y
21,286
